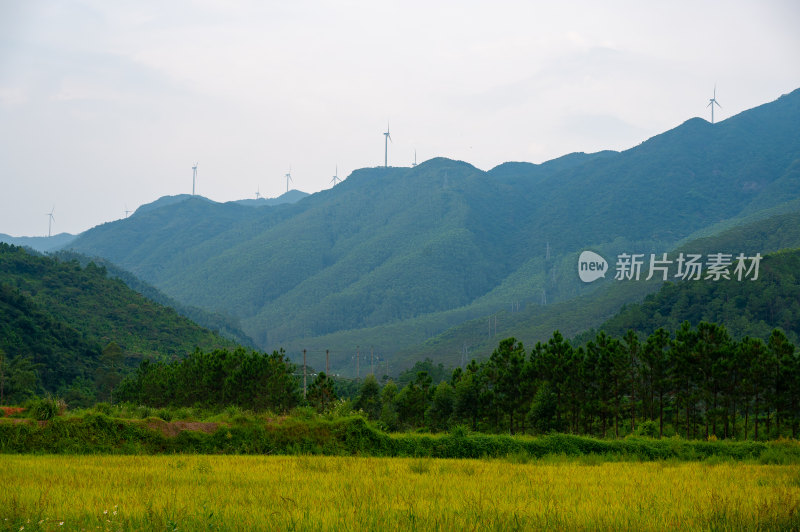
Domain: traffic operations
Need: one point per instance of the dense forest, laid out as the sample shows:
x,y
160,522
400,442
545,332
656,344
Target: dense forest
x,y
221,378
74,331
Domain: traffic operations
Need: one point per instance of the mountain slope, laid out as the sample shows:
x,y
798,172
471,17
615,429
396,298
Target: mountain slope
x,y
224,325
534,323
427,247
58,317
745,308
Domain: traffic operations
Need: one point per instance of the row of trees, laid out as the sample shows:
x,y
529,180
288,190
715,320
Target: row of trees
x,y
698,382
249,379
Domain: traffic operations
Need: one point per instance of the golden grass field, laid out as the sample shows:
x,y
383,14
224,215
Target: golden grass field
x,y
188,492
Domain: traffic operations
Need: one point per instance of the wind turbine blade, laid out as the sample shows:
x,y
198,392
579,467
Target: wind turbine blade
x,y
718,104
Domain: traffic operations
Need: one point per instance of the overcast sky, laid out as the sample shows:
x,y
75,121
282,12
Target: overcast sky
x,y
105,105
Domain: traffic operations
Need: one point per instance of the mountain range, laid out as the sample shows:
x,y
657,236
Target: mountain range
x,y
392,258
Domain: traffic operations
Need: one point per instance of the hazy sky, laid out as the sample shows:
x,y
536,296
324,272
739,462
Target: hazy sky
x,y
105,105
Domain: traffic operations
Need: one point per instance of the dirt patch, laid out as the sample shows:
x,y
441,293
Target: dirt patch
x,y
11,410
173,428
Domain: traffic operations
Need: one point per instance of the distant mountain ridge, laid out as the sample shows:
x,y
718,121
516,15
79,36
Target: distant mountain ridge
x,y
419,250
290,196
39,243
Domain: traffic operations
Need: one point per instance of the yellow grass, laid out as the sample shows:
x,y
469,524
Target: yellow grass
x,y
325,493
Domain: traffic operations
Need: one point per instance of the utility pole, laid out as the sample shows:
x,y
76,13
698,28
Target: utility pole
x,y
327,363
372,360
357,357
304,374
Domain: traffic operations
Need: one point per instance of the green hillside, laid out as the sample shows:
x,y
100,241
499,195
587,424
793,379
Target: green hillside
x,y
411,252
58,319
216,322
536,322
746,308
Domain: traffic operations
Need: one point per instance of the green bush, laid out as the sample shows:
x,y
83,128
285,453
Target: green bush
x,y
163,413
647,428
104,408
43,409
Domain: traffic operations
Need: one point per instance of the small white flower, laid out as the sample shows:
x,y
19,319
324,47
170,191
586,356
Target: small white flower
x,y
61,523
105,512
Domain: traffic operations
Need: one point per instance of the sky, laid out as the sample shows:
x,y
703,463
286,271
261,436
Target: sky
x,y
105,106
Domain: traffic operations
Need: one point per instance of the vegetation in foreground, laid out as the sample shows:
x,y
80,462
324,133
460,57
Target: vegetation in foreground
x,y
337,433
328,493
697,381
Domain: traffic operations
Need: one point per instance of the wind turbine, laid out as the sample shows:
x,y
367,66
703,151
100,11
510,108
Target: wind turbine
x,y
127,212
386,140
194,176
712,102
258,192
50,220
336,179
288,177
415,159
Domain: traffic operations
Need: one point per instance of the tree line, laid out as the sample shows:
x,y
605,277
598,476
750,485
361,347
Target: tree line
x,y
248,379
697,382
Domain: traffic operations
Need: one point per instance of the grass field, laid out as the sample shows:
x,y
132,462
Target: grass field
x,y
196,492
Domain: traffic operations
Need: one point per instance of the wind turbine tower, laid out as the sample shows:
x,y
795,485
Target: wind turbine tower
x,y
288,177
258,192
712,102
194,176
387,138
336,179
50,220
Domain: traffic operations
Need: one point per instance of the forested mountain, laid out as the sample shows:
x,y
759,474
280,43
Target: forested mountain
x,y
746,308
414,251
73,330
220,324
598,310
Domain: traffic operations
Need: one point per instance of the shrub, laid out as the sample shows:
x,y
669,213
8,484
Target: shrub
x,y
45,409
459,431
104,408
647,428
